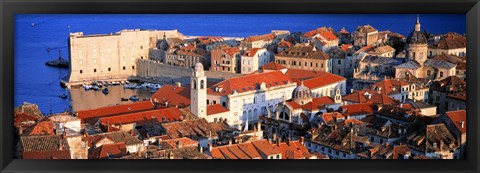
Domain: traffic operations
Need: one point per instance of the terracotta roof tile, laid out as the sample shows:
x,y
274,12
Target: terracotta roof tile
x,y
215,109
249,83
88,115
63,154
457,117
273,66
45,147
109,150
174,95
174,143
158,115
357,109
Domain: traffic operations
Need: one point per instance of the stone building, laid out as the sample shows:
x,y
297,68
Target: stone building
x,y
449,44
343,60
373,69
434,141
208,43
225,58
253,59
417,63
365,36
383,51
304,57
258,41
187,56
109,56
441,91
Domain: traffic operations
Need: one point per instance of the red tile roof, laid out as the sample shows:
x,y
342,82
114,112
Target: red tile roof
x,y
177,143
285,44
23,117
44,127
158,115
362,97
332,117
293,150
215,109
400,150
387,86
329,36
251,52
89,115
315,104
273,66
249,82
314,79
265,147
116,150
345,47
457,117
357,109
174,95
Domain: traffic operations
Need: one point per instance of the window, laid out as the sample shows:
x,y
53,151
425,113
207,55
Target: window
x,y
339,61
278,156
321,65
109,69
81,71
429,72
141,47
141,57
94,70
224,104
123,67
441,74
214,102
133,67
208,101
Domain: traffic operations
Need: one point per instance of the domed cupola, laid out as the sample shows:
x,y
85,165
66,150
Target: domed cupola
x,y
417,36
302,94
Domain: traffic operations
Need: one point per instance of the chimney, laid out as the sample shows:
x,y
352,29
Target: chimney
x,y
200,148
278,142
462,124
64,134
263,69
166,104
179,144
178,84
401,105
302,140
209,147
195,44
229,142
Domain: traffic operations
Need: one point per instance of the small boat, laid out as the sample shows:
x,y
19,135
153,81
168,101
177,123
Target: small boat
x,y
105,91
63,96
134,98
87,87
124,99
95,87
60,62
127,82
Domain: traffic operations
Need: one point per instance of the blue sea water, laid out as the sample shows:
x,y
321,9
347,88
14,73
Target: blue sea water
x,y
36,83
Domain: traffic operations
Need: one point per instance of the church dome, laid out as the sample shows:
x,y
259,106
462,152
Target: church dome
x,y
302,92
416,37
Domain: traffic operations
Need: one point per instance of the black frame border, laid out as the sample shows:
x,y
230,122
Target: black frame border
x,y
9,8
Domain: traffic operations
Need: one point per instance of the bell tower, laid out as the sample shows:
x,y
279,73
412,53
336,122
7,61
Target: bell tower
x,y
198,94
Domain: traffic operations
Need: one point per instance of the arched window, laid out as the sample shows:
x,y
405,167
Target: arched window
x,y
202,83
194,84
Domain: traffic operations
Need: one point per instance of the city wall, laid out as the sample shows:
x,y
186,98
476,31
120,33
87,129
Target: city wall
x,y
151,70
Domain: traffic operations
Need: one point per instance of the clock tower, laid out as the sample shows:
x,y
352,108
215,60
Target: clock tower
x,y
198,94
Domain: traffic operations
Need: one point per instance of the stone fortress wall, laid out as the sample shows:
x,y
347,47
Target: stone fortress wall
x,y
148,69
